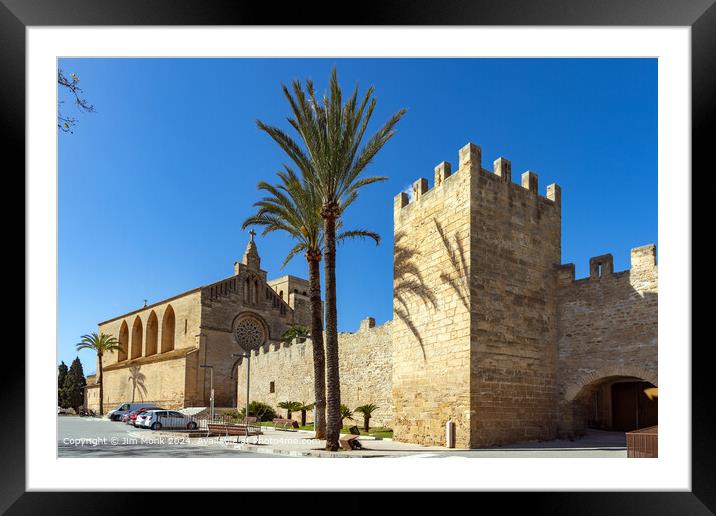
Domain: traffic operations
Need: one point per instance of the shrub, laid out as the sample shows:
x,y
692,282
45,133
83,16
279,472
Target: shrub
x,y
263,411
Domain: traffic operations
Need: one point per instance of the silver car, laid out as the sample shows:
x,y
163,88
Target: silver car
x,y
158,419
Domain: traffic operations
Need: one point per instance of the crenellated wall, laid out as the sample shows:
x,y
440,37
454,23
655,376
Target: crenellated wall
x,y
475,305
365,369
608,330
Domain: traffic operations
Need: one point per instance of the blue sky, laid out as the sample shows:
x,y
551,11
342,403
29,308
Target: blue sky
x,y
153,187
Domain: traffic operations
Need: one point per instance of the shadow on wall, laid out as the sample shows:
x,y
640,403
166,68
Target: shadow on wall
x,y
409,284
137,378
457,278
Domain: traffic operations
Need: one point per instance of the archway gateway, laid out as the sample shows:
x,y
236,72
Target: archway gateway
x,y
617,403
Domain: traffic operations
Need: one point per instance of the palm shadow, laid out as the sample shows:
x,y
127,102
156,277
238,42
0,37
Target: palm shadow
x,y
137,378
457,277
409,284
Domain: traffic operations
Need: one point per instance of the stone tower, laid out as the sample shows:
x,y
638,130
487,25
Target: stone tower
x,y
475,308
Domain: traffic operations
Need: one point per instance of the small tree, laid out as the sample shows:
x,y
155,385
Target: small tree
x,y
290,407
71,85
305,407
296,331
263,411
367,411
73,386
346,413
61,375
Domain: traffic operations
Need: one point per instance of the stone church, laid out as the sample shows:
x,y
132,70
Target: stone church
x,y
489,330
164,345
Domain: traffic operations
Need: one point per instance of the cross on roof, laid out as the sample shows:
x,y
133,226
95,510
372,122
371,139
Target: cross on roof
x,y
253,234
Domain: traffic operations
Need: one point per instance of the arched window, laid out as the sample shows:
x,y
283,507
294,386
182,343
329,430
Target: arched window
x,y
136,338
256,292
168,329
123,342
280,294
152,334
247,288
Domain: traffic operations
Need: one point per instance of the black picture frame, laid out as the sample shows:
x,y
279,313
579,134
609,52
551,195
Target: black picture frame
x,y
700,15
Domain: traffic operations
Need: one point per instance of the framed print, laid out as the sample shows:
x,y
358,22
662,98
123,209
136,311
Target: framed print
x,y
429,239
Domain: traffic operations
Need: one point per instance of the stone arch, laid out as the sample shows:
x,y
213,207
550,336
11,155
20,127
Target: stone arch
x,y
123,352
590,401
137,337
168,329
589,379
152,335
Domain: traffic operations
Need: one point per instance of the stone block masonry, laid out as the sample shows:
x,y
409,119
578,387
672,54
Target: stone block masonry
x,y
475,306
608,330
489,329
285,373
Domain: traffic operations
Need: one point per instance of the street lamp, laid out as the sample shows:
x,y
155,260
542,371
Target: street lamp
x,y
211,387
247,356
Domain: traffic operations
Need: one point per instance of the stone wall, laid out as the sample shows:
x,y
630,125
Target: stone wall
x,y
158,373
287,369
515,247
475,306
608,330
431,309
223,303
159,379
186,310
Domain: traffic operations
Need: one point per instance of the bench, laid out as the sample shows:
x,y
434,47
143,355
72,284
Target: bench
x,y
231,429
251,419
350,442
285,424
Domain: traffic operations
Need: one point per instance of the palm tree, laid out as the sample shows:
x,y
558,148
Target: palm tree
x,y
290,407
332,160
100,344
294,208
345,413
367,411
305,407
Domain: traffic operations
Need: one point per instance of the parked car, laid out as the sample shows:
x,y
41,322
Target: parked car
x,y
131,418
139,420
158,419
126,408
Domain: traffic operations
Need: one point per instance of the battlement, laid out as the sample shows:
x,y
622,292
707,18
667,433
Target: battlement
x,y
366,329
470,162
602,266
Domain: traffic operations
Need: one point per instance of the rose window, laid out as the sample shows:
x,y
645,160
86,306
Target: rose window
x,y
249,333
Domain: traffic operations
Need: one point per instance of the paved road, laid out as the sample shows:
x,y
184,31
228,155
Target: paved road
x,y
90,437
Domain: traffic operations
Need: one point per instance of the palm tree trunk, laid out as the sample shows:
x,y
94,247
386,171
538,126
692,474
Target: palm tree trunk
x,y
101,387
333,381
366,423
319,354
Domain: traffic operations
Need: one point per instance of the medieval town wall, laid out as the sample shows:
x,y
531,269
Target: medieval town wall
x,y
284,372
608,329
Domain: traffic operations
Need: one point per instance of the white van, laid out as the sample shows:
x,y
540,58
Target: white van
x,y
126,408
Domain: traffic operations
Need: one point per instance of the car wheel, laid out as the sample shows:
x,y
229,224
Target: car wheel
x,y
191,425
156,426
